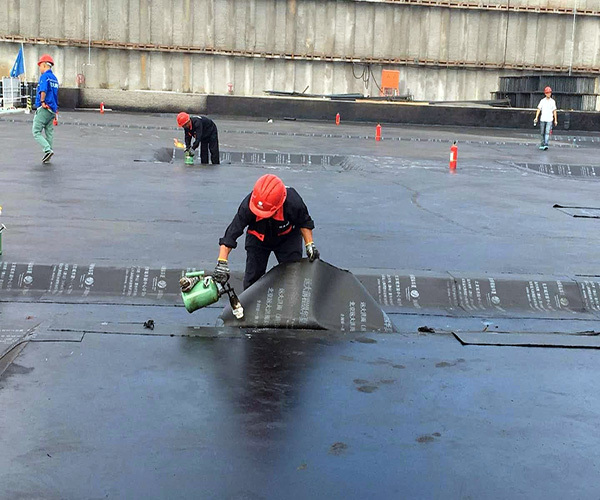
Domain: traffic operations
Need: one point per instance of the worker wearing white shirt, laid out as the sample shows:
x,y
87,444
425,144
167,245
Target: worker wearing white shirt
x,y
547,108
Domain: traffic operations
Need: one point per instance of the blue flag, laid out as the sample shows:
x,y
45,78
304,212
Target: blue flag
x,y
19,66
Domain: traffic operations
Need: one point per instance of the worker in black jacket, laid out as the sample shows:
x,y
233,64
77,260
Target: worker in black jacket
x,y
277,220
204,131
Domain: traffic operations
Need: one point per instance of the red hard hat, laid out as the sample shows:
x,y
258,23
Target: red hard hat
x,y
547,89
182,119
267,196
46,59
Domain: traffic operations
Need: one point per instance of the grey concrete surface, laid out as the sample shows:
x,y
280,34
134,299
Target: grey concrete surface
x,y
96,406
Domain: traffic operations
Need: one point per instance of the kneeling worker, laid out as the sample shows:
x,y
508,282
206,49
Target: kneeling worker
x,y
205,133
277,220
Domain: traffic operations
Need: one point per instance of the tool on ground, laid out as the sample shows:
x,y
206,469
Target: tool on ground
x,y
200,291
149,324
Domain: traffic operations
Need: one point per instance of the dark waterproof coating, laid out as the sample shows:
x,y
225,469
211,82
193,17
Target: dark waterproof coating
x,y
309,295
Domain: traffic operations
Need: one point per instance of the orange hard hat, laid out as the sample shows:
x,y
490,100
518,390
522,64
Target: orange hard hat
x,y
547,89
46,59
268,196
182,118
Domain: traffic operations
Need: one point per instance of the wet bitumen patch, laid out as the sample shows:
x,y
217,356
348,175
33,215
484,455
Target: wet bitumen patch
x,y
168,155
587,172
16,369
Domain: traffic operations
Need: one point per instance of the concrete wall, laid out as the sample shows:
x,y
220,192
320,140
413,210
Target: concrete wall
x,y
442,53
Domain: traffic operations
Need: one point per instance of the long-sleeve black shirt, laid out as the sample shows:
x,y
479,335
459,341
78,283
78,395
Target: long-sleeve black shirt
x,y
202,129
268,232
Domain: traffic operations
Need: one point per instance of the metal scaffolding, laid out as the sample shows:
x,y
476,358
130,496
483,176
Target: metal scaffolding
x,y
383,61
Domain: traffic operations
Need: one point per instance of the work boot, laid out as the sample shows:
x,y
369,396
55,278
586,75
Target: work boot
x,y
47,156
187,284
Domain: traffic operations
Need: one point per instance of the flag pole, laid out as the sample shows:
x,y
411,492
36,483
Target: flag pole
x,y
24,66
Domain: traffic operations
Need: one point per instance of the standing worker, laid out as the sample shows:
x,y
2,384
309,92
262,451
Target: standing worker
x,y
46,102
277,220
547,107
204,130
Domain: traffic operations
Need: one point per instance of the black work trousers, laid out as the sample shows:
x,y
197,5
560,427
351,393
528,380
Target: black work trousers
x,y
213,144
257,255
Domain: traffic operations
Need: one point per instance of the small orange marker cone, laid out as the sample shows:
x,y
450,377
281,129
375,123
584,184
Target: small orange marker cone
x,y
378,132
102,108
337,119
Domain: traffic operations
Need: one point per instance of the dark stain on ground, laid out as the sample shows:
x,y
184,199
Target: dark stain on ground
x,y
387,381
444,364
367,388
428,438
366,340
400,367
380,361
347,358
425,439
360,381
338,448
15,369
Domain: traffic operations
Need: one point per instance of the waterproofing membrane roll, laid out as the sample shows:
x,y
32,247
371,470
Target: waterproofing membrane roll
x,y
309,295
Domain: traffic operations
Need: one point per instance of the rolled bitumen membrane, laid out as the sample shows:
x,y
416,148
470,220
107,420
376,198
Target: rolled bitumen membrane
x,y
310,295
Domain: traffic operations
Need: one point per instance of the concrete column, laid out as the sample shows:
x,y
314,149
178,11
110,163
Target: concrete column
x,y
290,27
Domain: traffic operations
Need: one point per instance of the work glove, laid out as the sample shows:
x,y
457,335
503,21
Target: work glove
x,y
221,272
311,252
187,284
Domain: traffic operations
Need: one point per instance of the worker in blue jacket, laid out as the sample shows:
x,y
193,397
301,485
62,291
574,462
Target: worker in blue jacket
x,y
47,106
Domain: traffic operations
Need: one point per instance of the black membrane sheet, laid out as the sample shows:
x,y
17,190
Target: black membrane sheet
x,y
310,295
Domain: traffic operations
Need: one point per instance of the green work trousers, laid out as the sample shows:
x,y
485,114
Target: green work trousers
x,y
43,121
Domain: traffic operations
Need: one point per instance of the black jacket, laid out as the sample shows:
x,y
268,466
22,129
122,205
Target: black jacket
x,y
202,130
268,232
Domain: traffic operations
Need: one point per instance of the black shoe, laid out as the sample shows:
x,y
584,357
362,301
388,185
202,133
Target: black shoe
x,y
47,156
545,148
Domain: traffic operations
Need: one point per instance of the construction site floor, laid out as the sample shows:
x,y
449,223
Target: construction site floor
x,y
474,269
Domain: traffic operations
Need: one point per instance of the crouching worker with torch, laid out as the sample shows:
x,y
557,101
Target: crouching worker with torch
x,y
277,221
